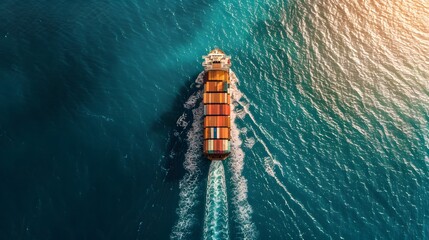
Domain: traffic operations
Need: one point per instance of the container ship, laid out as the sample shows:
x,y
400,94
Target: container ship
x,y
217,99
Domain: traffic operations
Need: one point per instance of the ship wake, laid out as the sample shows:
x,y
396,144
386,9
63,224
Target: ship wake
x,y
241,110
241,208
190,184
216,214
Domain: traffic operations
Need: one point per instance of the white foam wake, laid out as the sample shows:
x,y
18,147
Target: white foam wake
x,y
244,111
270,163
242,209
192,100
189,185
216,215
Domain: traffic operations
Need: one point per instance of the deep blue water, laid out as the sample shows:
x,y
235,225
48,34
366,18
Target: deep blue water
x,y
100,135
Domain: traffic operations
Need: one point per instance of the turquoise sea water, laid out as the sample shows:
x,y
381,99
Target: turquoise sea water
x,y
100,124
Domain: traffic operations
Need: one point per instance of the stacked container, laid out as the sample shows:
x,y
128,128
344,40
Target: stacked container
x,y
217,110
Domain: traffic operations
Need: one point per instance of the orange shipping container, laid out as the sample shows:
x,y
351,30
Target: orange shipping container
x,y
216,87
217,121
216,133
217,75
217,146
217,109
216,98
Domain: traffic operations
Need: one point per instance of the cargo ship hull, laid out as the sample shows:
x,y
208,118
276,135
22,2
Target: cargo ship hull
x,y
217,109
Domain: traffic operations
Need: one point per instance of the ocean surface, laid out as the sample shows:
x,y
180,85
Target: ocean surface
x,y
100,120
